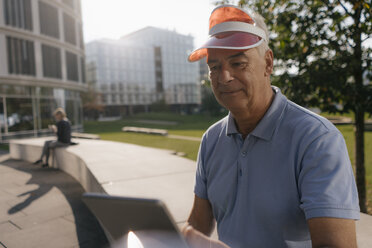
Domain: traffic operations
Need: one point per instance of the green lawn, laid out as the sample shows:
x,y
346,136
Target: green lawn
x,y
186,146
190,125
348,133
194,126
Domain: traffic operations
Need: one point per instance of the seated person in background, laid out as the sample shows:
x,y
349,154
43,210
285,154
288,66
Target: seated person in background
x,y
63,131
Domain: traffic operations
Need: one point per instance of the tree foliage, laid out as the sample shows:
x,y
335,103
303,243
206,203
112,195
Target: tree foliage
x,y
209,103
92,106
320,59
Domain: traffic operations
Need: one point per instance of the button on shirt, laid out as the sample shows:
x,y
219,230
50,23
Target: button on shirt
x,y
292,167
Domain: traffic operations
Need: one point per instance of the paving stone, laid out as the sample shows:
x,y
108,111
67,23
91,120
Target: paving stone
x,y
47,200
8,178
16,189
5,196
41,217
7,227
364,231
45,210
55,233
4,215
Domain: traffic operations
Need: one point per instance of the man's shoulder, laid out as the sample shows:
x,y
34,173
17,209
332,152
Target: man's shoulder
x,y
300,118
217,129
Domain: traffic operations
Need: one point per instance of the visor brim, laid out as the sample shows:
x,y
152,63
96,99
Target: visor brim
x,y
231,40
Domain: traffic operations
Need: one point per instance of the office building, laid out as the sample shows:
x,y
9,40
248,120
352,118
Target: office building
x,y
41,65
143,68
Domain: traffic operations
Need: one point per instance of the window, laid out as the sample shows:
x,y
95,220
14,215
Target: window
x,y
47,107
69,29
158,69
72,67
51,61
19,114
82,63
71,111
18,13
48,20
21,57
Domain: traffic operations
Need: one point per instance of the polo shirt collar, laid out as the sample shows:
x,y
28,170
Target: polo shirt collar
x,y
266,127
231,127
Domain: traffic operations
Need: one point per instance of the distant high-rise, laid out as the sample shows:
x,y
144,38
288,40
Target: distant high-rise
x,y
41,64
142,68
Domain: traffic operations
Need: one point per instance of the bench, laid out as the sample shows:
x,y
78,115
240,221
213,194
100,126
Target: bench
x,y
84,135
155,131
135,171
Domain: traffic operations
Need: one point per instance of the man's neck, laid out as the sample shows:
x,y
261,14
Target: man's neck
x,y
247,120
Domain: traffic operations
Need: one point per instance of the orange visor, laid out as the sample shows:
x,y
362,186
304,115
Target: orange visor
x,y
230,28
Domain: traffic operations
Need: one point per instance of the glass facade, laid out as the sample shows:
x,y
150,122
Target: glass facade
x,y
47,106
72,66
69,29
49,53
25,110
145,67
48,16
21,56
19,113
42,69
82,65
18,13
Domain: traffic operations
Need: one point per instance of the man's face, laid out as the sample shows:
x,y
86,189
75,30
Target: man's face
x,y
237,77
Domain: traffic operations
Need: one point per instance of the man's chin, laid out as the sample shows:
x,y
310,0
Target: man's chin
x,y
234,106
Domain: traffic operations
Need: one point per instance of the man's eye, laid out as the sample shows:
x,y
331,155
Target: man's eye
x,y
238,64
213,68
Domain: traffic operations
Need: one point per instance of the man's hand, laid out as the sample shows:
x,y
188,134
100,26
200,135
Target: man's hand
x,y
196,239
199,225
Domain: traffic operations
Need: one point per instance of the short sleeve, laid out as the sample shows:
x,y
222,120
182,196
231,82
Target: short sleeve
x,y
326,182
200,188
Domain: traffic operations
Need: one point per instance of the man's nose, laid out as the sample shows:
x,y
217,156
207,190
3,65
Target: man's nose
x,y
225,76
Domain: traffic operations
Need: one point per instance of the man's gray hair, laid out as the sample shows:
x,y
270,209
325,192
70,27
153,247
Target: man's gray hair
x,y
260,22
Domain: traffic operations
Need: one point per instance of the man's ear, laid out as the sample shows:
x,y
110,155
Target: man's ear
x,y
269,60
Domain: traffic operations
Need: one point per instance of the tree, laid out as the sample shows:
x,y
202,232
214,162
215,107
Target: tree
x,y
92,105
209,103
321,59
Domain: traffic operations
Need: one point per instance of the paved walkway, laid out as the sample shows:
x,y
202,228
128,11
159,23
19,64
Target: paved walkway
x,y
43,208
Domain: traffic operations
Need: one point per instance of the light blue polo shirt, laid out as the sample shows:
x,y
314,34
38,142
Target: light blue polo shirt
x,y
292,167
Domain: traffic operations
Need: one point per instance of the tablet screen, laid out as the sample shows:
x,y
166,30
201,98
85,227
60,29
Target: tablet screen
x,y
148,219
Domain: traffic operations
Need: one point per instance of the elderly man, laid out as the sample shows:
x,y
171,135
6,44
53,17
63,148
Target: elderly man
x,y
271,173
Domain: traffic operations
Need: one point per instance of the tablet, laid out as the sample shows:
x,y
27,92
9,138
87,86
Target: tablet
x,y
147,221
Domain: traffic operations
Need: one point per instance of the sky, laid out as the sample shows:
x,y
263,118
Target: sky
x,y
115,18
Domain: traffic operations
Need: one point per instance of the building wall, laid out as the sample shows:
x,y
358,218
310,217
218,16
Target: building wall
x,y
41,64
144,67
124,74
